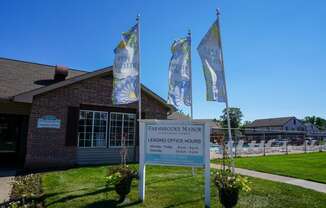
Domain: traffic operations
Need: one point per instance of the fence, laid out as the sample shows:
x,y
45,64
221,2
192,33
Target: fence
x,y
248,142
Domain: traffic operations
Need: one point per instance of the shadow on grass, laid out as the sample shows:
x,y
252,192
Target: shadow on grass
x,y
71,197
183,203
111,204
153,181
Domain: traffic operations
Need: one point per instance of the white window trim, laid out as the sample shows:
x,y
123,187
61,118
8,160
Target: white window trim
x,y
122,126
106,130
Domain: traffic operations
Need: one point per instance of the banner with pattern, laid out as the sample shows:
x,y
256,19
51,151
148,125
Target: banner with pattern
x,y
210,53
180,73
126,69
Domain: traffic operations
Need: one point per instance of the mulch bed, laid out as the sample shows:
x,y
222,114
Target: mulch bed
x,y
26,192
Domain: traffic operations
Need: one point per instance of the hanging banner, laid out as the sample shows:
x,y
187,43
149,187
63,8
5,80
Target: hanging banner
x,y
210,53
126,69
180,73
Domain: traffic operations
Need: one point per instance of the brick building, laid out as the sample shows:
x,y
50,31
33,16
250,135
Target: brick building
x,y
52,116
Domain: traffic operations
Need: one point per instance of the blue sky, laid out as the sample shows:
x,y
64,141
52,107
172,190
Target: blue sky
x,y
274,50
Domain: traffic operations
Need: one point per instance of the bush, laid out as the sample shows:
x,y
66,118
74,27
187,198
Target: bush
x,y
26,192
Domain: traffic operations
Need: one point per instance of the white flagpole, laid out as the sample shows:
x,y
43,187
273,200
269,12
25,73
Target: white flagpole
x,y
139,82
142,166
230,142
190,66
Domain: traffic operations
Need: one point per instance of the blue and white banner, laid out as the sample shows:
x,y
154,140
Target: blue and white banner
x,y
126,69
180,73
210,53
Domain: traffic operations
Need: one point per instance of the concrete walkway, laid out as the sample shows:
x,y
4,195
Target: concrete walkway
x,y
320,187
6,177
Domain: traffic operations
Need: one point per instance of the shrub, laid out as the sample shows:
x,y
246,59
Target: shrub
x,y
26,192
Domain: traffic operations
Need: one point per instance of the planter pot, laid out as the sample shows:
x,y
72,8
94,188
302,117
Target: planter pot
x,y
228,197
123,188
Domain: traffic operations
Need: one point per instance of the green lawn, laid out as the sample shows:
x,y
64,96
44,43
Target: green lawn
x,y
310,166
166,187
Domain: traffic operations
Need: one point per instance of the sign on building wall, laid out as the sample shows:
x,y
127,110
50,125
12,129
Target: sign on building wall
x,y
179,144
48,121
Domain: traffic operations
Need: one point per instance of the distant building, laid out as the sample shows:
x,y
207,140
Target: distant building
x,y
311,128
216,132
281,128
178,116
278,124
313,131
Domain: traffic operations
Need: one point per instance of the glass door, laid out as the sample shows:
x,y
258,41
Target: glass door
x,y
8,134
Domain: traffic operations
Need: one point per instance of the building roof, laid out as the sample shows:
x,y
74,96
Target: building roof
x,y
21,76
213,123
21,80
311,127
178,116
182,117
269,122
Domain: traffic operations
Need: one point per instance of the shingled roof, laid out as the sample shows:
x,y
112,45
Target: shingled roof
x,y
269,122
21,80
21,76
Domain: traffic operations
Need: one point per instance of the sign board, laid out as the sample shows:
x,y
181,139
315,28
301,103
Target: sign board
x,y
174,144
48,121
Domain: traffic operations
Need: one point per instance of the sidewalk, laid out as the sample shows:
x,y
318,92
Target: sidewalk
x,y
6,177
320,187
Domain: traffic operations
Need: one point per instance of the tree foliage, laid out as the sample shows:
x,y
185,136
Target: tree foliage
x,y
235,117
318,121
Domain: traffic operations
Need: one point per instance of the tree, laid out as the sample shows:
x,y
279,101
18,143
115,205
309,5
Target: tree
x,y
245,124
235,117
318,121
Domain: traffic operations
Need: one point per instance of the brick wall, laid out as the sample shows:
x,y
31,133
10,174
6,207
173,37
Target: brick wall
x,y
46,147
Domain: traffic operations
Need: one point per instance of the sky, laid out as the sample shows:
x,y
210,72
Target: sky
x,y
274,50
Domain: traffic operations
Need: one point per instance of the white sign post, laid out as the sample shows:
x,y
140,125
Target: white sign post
x,y
174,143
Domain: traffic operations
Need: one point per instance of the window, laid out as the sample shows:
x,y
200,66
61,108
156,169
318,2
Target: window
x,y
92,128
122,129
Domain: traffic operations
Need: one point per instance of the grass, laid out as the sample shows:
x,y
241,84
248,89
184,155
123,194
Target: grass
x,y
309,166
166,187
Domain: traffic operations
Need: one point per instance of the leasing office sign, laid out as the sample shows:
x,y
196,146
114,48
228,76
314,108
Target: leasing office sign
x,y
174,144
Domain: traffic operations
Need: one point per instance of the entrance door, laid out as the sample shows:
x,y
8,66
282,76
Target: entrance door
x,y
13,131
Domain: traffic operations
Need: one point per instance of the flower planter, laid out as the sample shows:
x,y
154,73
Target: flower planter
x,y
121,178
228,197
229,186
123,188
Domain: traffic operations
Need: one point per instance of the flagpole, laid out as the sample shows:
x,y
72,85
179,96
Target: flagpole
x,y
230,142
142,166
190,66
139,82
190,69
